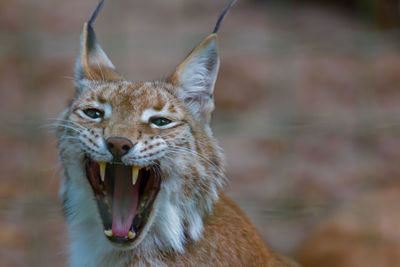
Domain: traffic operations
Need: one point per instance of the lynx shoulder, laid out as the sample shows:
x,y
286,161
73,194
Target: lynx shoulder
x,y
143,175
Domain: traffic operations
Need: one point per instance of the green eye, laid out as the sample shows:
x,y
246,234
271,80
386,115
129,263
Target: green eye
x,y
93,113
160,121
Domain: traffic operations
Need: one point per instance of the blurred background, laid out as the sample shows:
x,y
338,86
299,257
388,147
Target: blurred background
x,y
308,106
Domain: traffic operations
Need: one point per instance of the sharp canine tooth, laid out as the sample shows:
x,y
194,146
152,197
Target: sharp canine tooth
x,y
102,170
135,172
131,235
108,233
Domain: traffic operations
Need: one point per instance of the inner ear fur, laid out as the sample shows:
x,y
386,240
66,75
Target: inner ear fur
x,y
195,77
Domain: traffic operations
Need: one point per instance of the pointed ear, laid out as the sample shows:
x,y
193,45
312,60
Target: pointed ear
x,y
195,77
93,63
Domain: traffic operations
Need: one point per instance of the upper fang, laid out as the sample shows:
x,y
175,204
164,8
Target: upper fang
x,y
135,172
102,170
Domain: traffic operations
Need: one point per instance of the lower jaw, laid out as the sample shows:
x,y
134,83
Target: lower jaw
x,y
123,244
136,232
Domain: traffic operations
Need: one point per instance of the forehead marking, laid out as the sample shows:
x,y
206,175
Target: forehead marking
x,y
107,90
126,87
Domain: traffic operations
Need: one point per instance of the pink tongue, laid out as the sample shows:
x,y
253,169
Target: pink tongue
x,y
125,200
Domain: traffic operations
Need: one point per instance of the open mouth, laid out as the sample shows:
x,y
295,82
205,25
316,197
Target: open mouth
x,y
125,197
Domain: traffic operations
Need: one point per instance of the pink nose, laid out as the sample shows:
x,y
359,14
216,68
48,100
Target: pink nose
x,y
118,146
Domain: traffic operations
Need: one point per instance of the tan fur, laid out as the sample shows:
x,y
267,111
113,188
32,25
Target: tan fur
x,y
230,239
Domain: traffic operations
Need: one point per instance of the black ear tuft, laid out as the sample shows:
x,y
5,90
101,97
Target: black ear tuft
x,y
91,36
95,13
222,16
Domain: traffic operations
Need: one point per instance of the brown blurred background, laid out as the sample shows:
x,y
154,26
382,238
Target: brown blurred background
x,y
308,106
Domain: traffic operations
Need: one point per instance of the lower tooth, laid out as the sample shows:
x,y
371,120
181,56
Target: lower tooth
x,y
108,233
131,235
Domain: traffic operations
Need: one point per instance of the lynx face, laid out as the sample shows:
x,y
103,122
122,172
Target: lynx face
x,y
129,123
141,166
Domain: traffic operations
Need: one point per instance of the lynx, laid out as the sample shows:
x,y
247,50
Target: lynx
x,y
143,174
